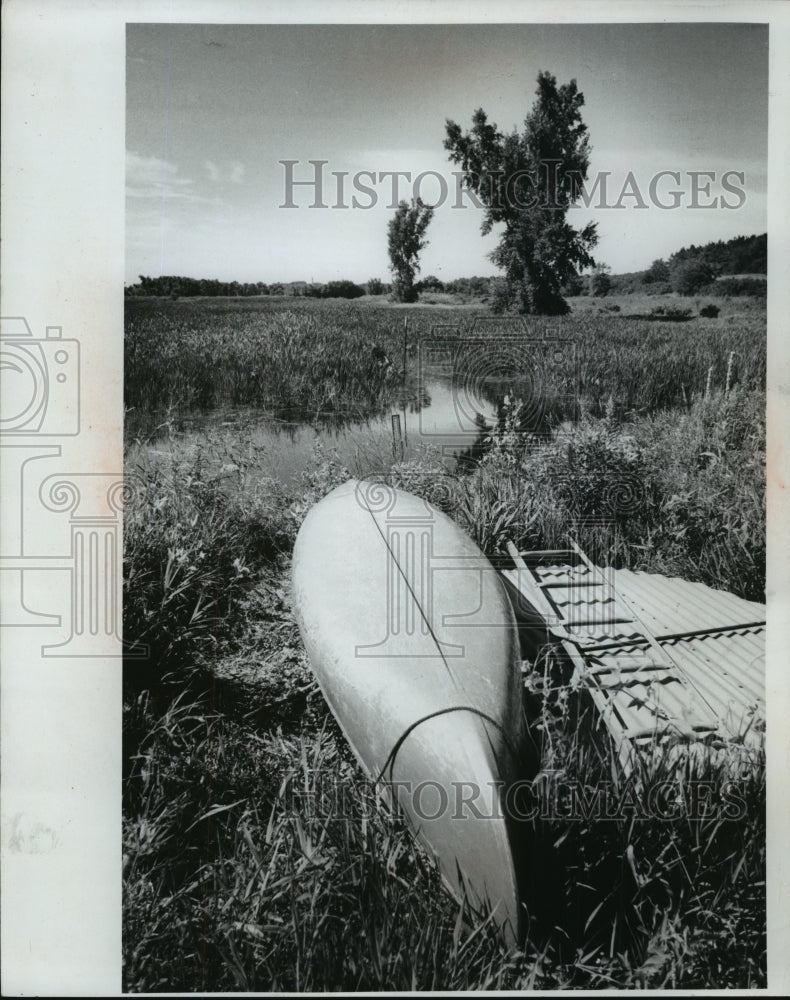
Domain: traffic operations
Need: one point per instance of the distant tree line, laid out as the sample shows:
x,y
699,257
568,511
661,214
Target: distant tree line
x,y
176,287
173,285
721,268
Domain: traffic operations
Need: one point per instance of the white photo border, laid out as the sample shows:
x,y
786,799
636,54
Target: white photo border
x,y
62,265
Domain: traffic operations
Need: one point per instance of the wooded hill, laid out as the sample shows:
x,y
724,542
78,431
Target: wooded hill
x,y
742,255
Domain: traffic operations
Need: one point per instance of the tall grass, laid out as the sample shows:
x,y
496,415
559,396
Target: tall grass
x,y
680,492
233,879
634,894
330,361
311,363
241,873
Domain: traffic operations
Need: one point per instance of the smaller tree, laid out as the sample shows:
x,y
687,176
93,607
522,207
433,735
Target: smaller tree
x,y
430,284
601,281
575,285
406,241
691,276
658,271
341,290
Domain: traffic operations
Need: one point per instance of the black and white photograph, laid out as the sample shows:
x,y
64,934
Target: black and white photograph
x,y
445,442
411,525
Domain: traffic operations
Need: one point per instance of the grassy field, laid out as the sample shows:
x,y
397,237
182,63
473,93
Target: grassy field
x,y
231,880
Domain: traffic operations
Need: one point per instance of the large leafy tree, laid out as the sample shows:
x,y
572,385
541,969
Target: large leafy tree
x,y
528,180
406,240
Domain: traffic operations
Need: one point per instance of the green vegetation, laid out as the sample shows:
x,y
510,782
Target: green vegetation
x,y
601,281
331,361
736,267
233,880
299,358
741,255
175,287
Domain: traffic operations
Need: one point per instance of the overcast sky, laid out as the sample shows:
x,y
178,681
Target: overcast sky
x,y
212,109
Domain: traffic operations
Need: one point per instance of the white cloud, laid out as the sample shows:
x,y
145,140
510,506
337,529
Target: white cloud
x,y
232,173
152,177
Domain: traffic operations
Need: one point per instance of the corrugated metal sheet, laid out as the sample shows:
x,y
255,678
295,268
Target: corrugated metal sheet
x,y
661,657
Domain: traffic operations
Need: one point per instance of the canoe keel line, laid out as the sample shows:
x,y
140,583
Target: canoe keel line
x,y
413,640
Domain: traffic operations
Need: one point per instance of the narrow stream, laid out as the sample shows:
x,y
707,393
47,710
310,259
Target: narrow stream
x,y
436,415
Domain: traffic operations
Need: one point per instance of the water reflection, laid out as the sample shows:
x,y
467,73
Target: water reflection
x,y
454,421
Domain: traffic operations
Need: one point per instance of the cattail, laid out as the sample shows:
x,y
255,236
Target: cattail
x,y
730,366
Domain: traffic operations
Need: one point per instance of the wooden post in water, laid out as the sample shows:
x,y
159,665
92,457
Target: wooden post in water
x,y
397,440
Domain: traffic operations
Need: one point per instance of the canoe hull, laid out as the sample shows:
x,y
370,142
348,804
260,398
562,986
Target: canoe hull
x,y
413,641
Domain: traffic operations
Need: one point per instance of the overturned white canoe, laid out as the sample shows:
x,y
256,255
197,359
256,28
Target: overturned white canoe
x,y
413,640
